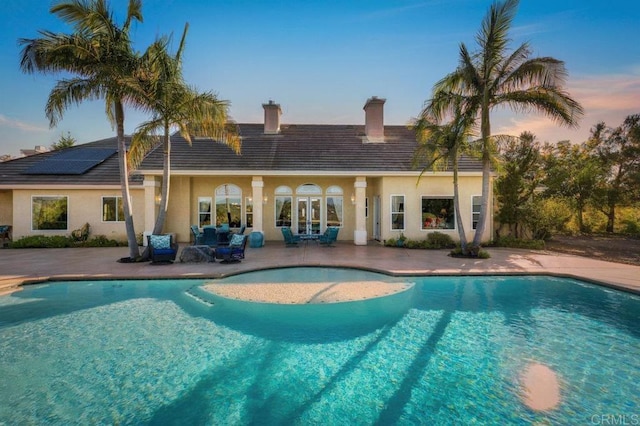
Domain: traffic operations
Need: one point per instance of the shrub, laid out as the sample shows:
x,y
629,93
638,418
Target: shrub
x,y
544,217
101,241
42,241
482,254
438,240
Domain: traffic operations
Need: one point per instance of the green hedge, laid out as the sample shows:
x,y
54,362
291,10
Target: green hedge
x,y
61,241
434,240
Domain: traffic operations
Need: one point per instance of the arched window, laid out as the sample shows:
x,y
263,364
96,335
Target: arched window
x,y
335,205
228,205
309,189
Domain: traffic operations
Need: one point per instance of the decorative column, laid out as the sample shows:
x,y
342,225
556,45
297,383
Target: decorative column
x,y
256,185
360,232
151,190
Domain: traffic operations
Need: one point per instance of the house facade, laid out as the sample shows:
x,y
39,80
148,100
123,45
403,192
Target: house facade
x,y
360,178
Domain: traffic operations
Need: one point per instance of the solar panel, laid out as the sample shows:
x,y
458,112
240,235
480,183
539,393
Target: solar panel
x,y
71,162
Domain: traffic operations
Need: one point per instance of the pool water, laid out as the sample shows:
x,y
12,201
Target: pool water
x,y
159,352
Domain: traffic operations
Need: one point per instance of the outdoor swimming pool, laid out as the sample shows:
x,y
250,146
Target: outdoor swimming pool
x,y
452,350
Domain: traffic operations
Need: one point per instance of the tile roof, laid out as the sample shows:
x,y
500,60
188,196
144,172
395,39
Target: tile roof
x,y
298,148
301,148
16,172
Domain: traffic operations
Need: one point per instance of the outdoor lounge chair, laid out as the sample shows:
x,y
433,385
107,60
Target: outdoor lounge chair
x,y
234,252
330,236
198,237
290,240
162,248
210,237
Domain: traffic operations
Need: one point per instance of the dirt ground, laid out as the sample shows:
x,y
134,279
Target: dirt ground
x,y
616,248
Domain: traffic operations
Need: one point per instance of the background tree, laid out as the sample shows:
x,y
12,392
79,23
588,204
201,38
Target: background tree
x,y
572,172
99,56
520,176
440,146
618,150
64,142
176,105
493,77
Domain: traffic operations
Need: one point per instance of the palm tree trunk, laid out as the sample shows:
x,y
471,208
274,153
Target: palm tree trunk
x,y
456,206
486,175
166,177
134,252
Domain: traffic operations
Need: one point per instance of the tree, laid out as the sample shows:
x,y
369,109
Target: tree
x,y
572,172
99,56
64,142
519,178
493,77
618,151
174,104
441,144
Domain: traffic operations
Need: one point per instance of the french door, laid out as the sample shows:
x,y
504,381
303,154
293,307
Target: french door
x,y
309,214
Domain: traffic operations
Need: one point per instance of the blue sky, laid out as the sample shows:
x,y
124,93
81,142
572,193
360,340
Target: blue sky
x,y
321,60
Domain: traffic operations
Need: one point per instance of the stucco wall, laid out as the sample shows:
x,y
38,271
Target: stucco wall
x,y
84,205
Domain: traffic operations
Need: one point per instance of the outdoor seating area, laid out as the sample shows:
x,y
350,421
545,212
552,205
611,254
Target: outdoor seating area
x,y
330,236
234,251
214,236
162,248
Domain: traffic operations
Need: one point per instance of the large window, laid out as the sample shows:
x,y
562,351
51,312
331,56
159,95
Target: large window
x,y
437,213
49,212
248,212
204,211
475,210
397,212
334,206
112,209
283,200
228,205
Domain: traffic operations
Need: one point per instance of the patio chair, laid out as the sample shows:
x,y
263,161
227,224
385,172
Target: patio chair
x,y
290,240
234,252
209,236
198,237
330,236
242,229
162,248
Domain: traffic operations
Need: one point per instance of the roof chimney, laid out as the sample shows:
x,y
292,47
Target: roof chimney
x,y
374,119
272,114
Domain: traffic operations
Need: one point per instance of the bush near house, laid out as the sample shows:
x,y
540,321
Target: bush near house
x,y
434,240
61,241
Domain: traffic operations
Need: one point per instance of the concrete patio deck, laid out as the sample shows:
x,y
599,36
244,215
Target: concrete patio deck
x,y
20,266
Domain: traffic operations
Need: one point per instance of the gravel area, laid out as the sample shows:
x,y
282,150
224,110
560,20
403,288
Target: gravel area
x,y
301,292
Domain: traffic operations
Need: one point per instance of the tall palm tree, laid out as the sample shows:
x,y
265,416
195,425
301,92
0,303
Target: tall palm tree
x,y
176,105
494,76
100,57
440,144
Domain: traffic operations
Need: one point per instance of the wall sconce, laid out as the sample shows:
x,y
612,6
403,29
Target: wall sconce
x,y
353,199
158,198
250,199
265,200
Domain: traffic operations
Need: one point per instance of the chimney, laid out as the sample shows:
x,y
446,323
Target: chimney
x,y
374,119
272,114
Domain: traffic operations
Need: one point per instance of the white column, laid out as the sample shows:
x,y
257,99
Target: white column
x,y
360,233
151,190
256,185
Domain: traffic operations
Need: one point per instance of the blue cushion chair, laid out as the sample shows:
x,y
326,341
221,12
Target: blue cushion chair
x,y
210,237
198,237
330,236
290,240
234,252
162,248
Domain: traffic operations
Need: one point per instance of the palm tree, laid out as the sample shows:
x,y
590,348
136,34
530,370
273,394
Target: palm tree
x,y
100,58
440,144
174,104
493,77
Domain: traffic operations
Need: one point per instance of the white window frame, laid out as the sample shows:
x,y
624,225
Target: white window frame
x,y
475,220
50,196
248,205
438,197
210,212
402,211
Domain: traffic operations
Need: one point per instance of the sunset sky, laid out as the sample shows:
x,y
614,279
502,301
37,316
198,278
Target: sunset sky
x,y
321,60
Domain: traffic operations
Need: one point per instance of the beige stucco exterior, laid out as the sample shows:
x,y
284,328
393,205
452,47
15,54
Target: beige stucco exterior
x,y
359,193
84,206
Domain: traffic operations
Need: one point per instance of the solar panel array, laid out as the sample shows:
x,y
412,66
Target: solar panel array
x,y
71,162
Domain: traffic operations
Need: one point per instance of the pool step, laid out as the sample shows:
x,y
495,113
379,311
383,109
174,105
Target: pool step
x,y
203,296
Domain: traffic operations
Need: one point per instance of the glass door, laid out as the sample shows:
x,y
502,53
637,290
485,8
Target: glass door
x,y
309,214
